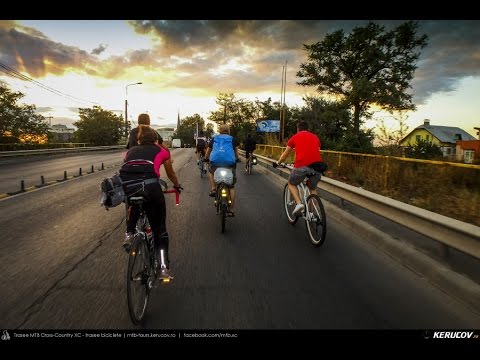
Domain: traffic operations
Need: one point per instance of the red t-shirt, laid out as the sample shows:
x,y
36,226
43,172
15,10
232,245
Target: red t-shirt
x,y
307,148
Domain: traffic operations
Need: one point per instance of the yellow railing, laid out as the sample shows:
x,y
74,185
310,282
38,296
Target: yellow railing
x,y
447,188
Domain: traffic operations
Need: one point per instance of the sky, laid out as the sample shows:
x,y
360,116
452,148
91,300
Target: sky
x,y
184,65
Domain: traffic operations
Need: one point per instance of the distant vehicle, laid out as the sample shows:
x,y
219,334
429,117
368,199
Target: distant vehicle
x,y
176,143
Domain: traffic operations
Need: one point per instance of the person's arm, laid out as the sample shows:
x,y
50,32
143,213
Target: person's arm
x,y
285,154
171,173
235,149
207,153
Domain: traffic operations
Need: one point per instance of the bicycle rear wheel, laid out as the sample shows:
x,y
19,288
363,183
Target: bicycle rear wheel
x,y
223,213
316,220
249,164
289,205
138,277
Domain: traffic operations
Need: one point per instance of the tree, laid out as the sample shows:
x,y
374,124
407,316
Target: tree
x,y
389,140
369,66
328,119
188,127
423,149
99,127
19,123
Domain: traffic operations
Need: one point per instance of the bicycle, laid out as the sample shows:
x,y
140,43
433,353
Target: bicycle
x,y
223,178
142,270
250,162
201,165
313,214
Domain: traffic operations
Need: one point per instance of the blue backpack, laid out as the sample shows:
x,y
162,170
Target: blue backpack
x,y
222,152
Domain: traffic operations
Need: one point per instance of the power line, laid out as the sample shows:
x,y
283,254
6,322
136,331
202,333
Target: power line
x,y
12,72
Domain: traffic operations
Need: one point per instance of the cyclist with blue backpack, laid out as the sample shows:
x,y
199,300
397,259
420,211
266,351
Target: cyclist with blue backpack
x,y
222,151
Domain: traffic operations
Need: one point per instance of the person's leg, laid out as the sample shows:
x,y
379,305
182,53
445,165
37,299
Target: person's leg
x,y
132,218
247,155
296,177
313,182
232,190
156,212
211,171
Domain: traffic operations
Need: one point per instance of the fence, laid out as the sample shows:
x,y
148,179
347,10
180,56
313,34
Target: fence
x,y
450,189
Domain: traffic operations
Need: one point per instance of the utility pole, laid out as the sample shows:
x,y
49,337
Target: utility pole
x,y
282,102
126,107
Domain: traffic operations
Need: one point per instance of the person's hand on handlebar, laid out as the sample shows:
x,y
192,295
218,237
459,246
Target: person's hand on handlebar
x,y
178,188
275,164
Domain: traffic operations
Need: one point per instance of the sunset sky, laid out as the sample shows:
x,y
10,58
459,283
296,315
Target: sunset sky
x,y
183,65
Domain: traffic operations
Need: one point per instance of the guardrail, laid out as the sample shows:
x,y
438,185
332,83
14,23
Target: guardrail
x,y
58,150
453,233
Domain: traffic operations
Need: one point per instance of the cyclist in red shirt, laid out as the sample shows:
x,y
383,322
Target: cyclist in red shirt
x,y
308,162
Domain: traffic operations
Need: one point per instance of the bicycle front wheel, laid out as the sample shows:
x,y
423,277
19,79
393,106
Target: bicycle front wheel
x,y
138,278
289,205
316,220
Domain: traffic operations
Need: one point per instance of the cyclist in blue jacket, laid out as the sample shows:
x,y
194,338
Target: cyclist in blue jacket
x,y
220,156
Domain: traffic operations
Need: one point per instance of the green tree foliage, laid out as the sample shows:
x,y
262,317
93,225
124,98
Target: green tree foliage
x,y
19,121
188,127
99,127
329,120
423,149
234,111
369,66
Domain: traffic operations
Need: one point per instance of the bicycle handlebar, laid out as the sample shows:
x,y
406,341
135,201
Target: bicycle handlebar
x,y
177,195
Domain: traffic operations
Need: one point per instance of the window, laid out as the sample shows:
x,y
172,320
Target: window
x,y
427,138
418,138
468,156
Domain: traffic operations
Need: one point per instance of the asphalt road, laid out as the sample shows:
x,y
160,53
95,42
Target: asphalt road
x,y
63,266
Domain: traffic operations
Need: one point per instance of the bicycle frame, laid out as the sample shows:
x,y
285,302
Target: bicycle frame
x,y
313,213
201,165
223,197
249,164
142,269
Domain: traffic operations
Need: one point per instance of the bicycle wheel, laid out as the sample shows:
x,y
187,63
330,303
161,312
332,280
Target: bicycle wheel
x,y
138,277
249,165
289,205
201,166
316,220
223,213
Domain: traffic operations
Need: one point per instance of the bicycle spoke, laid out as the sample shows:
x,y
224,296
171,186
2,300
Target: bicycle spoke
x,y
289,205
315,220
138,275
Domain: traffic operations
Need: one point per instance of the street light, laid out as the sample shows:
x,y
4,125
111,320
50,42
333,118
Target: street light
x,y
126,107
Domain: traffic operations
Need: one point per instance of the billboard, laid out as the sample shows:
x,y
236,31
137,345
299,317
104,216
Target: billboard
x,y
268,125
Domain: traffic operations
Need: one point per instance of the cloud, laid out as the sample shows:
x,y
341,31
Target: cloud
x,y
240,56
44,109
28,50
453,53
98,50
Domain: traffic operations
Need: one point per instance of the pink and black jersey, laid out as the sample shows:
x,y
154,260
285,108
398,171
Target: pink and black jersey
x,y
144,161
